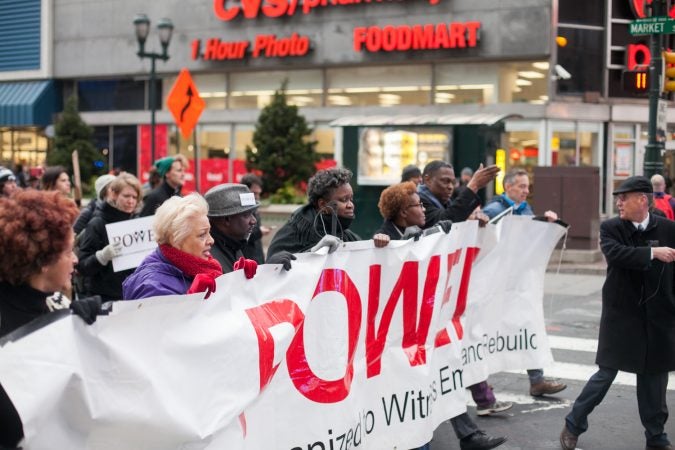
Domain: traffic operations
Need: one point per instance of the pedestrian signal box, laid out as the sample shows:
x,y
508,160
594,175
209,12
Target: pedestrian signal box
x,y
635,82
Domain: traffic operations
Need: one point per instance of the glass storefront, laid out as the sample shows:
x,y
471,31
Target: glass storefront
x,y
552,143
383,86
27,146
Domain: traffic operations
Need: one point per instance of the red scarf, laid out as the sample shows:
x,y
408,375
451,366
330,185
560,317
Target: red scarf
x,y
189,264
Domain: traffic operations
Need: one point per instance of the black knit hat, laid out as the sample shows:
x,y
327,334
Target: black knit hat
x,y
635,184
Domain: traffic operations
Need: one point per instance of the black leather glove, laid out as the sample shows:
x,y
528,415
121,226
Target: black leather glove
x,y
88,308
413,232
283,257
445,225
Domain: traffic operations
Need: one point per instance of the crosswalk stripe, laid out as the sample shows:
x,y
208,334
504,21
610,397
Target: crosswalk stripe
x,y
571,343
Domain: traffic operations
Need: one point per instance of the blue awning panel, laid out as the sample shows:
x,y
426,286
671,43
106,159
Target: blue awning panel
x,y
27,103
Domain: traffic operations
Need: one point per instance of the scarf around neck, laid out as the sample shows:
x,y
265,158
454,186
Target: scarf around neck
x,y
189,264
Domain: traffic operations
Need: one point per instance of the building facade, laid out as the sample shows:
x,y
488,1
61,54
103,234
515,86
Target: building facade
x,y
542,77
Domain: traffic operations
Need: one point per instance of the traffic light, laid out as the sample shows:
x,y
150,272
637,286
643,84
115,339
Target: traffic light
x,y
635,81
668,72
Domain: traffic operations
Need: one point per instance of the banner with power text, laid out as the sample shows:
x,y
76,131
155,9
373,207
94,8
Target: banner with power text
x,y
363,348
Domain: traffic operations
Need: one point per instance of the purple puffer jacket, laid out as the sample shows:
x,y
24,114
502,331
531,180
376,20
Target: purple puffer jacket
x,y
155,276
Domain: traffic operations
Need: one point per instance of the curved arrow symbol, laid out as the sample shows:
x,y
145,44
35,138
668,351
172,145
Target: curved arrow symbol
x,y
187,105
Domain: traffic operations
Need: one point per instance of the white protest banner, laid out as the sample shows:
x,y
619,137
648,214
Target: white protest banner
x,y
365,347
137,241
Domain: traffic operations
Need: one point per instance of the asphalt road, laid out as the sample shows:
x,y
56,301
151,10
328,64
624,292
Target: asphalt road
x,y
572,310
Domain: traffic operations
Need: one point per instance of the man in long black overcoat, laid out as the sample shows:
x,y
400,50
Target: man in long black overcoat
x,y
637,326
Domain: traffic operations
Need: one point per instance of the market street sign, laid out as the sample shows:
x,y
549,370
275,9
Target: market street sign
x,y
652,25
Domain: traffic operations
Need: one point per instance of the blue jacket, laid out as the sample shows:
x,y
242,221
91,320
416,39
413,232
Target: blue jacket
x,y
499,204
155,276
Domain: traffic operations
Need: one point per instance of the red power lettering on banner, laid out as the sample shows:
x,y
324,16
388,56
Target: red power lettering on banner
x,y
471,253
414,334
304,379
263,318
442,337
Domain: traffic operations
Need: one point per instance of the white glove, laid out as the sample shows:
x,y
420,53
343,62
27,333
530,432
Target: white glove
x,y
107,253
329,241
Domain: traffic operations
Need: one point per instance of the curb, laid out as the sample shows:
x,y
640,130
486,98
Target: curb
x,y
578,269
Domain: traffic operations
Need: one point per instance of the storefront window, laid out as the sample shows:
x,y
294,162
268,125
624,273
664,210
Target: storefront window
x,y
383,152
255,90
125,142
212,89
379,86
491,83
111,95
27,146
523,149
575,144
325,140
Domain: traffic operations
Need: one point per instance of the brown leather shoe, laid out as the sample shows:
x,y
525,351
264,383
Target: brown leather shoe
x,y
568,441
667,447
546,387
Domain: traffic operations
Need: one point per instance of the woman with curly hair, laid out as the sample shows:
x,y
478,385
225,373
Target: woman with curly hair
x,y
36,237
182,263
327,216
95,251
401,208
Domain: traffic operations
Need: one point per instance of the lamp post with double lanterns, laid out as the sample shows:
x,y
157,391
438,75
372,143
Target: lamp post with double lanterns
x,y
164,29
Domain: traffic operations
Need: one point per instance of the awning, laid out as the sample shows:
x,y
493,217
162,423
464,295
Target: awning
x,y
27,103
424,119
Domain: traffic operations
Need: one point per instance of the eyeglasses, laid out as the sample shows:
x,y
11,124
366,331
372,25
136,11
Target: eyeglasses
x,y
415,205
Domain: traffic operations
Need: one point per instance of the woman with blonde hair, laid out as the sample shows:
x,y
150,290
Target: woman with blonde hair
x,y
182,263
96,252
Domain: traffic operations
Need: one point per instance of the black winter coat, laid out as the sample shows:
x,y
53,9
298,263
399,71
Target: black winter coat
x,y
156,197
226,250
101,280
389,228
19,305
86,215
637,326
304,230
457,210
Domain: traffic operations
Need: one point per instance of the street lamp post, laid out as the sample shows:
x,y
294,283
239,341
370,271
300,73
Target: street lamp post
x,y
164,29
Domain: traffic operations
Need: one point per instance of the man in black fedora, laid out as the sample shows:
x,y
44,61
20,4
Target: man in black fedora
x,y
637,326
231,214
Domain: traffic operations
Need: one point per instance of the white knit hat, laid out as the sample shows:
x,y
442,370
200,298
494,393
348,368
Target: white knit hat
x,y
101,183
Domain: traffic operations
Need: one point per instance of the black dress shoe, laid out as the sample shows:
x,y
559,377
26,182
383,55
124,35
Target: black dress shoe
x,y
667,447
480,441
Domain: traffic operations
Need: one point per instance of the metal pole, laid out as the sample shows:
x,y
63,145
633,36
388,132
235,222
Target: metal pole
x,y
152,110
653,162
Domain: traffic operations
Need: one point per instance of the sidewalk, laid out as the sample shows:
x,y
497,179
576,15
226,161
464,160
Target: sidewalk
x,y
584,268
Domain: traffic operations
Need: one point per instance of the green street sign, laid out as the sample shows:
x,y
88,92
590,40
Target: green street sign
x,y
652,25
